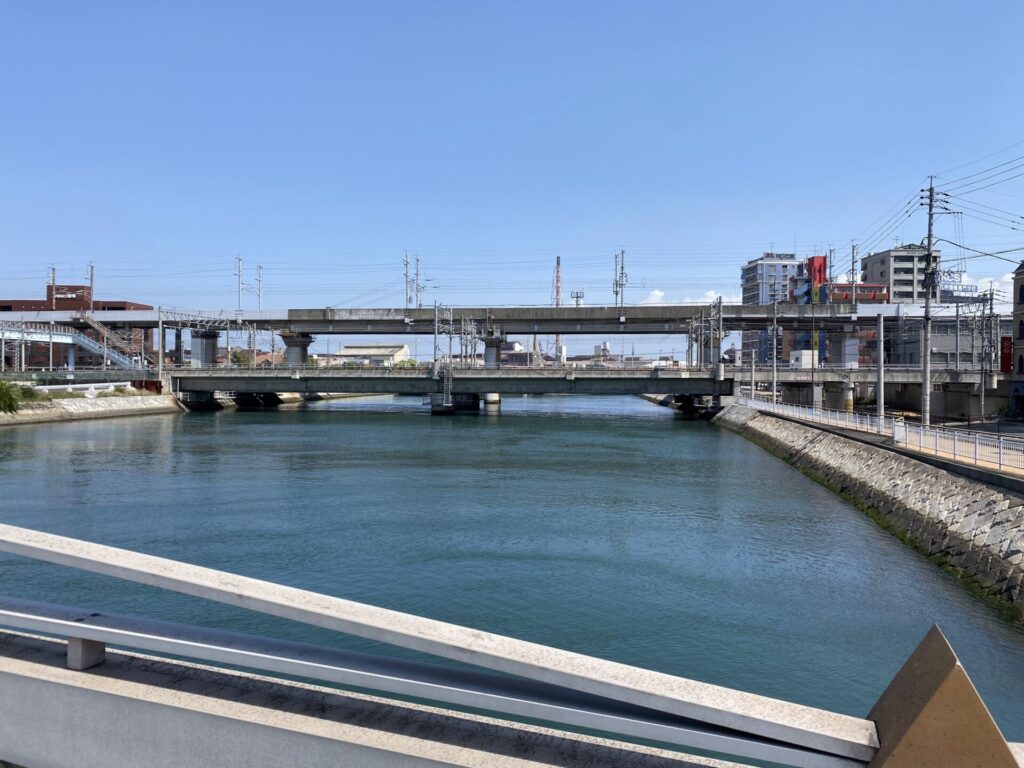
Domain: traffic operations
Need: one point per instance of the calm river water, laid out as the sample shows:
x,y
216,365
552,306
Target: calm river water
x,y
602,525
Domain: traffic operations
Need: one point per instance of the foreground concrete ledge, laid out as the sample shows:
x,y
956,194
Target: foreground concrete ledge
x,y
794,724
139,710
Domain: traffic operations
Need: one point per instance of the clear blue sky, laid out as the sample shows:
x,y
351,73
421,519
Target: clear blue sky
x,y
325,139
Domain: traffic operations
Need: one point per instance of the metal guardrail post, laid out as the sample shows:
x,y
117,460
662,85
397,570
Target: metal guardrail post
x,y
83,654
1000,452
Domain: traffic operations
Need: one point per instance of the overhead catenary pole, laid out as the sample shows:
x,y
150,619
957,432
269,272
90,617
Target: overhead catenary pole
x,y
929,283
753,383
92,286
160,344
775,336
880,381
957,363
408,284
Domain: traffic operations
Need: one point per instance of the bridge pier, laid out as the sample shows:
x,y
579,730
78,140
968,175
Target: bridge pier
x,y
492,360
204,348
296,352
179,353
70,357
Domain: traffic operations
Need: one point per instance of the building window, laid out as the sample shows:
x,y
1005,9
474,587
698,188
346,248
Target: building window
x,y
1020,330
1020,294
1020,363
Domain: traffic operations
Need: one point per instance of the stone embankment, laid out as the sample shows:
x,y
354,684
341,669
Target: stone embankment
x,y
972,528
73,409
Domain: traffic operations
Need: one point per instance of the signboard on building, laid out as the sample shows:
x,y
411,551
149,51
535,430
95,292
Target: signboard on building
x,y
1006,354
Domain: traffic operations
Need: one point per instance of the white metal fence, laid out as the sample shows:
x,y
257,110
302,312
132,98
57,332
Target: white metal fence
x,y
980,449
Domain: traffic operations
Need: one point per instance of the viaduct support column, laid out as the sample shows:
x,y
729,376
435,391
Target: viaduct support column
x,y
179,353
492,360
204,348
71,357
848,396
296,352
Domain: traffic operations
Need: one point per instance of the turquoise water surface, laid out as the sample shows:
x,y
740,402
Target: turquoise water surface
x,y
601,525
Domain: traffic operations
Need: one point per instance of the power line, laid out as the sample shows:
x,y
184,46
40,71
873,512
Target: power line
x,y
995,183
984,157
986,170
956,186
983,205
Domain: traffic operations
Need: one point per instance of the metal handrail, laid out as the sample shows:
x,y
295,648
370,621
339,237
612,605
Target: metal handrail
x,y
961,446
638,703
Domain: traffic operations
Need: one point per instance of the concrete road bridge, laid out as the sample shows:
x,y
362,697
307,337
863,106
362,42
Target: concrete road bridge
x,y
956,392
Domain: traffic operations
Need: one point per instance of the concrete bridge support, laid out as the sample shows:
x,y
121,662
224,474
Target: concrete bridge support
x,y
179,352
71,357
204,348
492,359
296,353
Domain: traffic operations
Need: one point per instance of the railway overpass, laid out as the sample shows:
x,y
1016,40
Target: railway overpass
x,y
634,319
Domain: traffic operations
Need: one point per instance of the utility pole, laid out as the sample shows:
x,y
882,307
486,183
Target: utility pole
x,y
853,274
958,336
753,383
621,280
577,297
929,284
880,382
92,285
259,286
53,288
775,336
418,287
721,329
160,344
557,299
408,285
238,275
814,358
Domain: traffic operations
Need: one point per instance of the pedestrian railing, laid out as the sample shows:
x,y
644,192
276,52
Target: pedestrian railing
x,y
979,449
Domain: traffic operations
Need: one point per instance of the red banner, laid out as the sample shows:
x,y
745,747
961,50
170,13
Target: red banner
x,y
1006,354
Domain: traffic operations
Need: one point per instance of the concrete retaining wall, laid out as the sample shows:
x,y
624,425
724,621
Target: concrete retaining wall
x,y
73,409
969,525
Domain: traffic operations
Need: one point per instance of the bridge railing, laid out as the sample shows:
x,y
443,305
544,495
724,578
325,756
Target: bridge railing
x,y
534,681
966,447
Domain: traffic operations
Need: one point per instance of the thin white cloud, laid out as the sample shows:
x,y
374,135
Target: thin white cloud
x,y
710,296
654,297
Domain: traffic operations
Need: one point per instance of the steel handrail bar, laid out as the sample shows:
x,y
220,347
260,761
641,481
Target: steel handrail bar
x,y
1008,451
453,686
794,724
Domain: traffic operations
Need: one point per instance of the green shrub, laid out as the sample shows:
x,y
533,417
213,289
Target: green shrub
x,y
10,397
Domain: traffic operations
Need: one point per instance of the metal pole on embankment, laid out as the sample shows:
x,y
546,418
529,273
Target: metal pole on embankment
x,y
880,381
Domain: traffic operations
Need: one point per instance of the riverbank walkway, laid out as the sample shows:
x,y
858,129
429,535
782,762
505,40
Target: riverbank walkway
x,y
993,453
